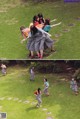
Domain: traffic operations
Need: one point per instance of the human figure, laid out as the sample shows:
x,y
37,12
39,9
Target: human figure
x,y
35,20
32,74
73,86
3,69
47,26
41,18
37,93
25,32
38,39
46,87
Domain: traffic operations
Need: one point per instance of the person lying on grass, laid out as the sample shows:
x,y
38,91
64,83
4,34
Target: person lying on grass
x,y
37,93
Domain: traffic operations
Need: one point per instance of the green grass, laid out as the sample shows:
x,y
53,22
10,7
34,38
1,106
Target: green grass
x,y
16,84
13,14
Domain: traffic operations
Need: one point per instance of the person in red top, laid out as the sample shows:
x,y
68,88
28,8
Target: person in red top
x,y
37,93
35,20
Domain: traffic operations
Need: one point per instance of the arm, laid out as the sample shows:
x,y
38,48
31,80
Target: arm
x,y
55,24
44,32
53,20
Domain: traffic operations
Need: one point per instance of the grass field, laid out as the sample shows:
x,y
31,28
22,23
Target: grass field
x,y
18,101
14,13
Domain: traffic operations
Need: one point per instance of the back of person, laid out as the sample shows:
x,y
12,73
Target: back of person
x,y
47,28
47,84
26,31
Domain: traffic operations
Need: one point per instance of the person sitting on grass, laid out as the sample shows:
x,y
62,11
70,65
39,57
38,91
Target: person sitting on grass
x,y
37,93
3,66
74,86
46,87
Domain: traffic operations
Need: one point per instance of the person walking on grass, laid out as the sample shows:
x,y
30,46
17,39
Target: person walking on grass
x,y
32,74
3,69
37,93
46,87
73,86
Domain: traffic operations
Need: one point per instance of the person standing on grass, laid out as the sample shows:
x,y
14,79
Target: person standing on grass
x,y
3,69
46,87
32,74
37,93
73,86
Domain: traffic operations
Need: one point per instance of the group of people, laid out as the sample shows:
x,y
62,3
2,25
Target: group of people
x,y
38,92
38,35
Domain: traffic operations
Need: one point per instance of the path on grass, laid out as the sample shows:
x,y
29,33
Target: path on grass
x,y
31,103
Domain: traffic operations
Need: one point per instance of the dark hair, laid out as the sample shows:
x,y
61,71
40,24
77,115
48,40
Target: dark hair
x,y
41,19
46,80
40,15
47,22
22,27
39,89
34,30
35,18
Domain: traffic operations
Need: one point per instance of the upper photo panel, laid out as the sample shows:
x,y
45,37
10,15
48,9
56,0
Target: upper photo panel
x,y
39,29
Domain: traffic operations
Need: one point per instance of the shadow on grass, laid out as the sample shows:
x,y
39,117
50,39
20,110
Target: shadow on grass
x,y
31,108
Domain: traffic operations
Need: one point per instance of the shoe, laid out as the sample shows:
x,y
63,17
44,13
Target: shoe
x,y
32,57
39,55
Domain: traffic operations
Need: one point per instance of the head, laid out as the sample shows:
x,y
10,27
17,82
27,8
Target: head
x,y
39,89
40,16
33,30
21,28
47,22
35,18
45,80
72,79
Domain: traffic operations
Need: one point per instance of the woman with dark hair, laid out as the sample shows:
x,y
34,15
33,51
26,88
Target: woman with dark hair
x,y
46,87
41,19
37,93
35,20
37,40
47,26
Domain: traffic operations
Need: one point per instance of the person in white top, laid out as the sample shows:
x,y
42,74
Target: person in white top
x,y
3,69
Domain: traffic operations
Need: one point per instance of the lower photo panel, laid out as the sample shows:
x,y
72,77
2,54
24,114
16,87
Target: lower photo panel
x,y
39,89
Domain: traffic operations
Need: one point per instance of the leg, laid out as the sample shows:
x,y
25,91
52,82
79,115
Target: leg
x,y
32,55
38,54
39,102
41,54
